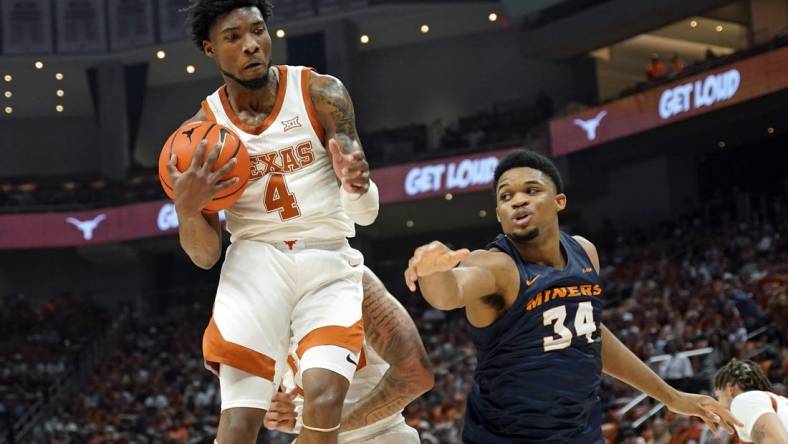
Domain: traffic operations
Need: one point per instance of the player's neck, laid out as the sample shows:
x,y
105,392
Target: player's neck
x,y
254,101
543,250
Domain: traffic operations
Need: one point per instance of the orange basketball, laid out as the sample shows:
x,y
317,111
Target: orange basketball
x,y
184,142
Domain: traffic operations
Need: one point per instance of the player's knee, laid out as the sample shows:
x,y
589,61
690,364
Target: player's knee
x,y
328,399
240,425
324,391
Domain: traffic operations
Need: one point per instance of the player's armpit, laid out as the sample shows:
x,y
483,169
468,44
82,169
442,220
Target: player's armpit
x,y
768,429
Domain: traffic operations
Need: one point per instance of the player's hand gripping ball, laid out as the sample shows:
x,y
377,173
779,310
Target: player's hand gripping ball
x,y
210,160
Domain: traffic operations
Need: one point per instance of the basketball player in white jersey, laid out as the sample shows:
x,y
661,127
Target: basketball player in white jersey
x,y
393,370
289,270
741,386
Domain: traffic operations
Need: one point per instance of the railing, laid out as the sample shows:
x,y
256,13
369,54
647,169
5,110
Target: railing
x,y
654,360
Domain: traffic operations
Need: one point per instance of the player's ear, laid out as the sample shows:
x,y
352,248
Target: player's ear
x,y
560,201
207,48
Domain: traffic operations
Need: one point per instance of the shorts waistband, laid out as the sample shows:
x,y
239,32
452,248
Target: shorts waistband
x,y
287,246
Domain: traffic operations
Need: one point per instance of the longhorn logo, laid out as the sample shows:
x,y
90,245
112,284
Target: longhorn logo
x,y
87,226
590,125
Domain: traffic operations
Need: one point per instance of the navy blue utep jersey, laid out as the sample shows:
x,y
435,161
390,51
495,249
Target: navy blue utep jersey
x,y
540,364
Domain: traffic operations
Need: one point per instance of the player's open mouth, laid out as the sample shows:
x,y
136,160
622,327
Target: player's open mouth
x,y
253,65
521,218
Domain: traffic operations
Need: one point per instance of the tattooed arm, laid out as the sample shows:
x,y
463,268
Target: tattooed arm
x,y
336,115
358,194
392,334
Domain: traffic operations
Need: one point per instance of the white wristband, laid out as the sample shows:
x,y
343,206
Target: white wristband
x,y
362,208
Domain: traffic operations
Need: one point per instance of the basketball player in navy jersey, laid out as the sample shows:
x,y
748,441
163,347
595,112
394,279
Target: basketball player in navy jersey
x,y
533,300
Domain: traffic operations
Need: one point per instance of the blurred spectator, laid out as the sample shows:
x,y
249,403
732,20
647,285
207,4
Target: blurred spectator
x,y
660,434
676,64
677,369
655,69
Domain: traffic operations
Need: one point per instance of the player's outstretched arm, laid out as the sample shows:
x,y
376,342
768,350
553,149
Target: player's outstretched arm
x,y
451,279
392,334
619,362
336,115
199,234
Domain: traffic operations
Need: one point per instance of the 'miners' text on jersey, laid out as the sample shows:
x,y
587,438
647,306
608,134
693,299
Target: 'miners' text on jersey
x,y
293,193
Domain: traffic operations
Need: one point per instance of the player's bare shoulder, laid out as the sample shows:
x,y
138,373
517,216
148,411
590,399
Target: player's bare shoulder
x,y
333,104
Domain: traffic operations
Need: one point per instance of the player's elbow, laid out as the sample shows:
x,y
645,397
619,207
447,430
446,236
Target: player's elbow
x,y
205,261
419,379
443,302
424,382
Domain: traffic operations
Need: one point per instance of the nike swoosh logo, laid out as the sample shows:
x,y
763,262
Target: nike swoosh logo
x,y
350,360
528,282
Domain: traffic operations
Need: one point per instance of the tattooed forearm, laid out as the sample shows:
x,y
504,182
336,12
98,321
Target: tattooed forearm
x,y
334,108
393,335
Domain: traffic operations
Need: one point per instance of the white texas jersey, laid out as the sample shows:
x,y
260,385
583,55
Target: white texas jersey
x,y
747,407
293,192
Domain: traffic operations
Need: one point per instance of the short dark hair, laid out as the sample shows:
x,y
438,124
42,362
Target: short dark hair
x,y
203,13
744,373
530,159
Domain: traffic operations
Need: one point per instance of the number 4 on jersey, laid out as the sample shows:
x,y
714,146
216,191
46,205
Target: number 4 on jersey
x,y
278,198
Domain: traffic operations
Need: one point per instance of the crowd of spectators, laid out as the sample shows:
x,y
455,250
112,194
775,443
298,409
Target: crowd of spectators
x,y
685,285
38,345
151,388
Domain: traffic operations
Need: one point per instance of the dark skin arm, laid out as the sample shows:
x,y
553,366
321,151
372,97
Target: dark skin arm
x,y
392,334
335,113
451,279
619,362
199,233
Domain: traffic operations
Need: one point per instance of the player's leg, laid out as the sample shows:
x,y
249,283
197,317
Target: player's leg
x,y
242,411
324,394
328,331
247,335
